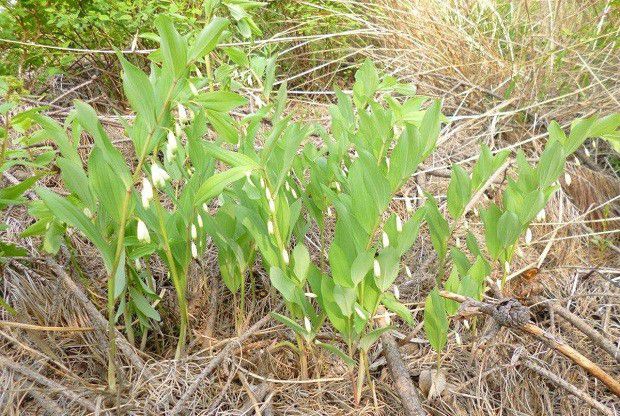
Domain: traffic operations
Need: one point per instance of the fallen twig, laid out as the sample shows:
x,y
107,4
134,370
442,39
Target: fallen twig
x,y
511,313
596,337
560,382
408,393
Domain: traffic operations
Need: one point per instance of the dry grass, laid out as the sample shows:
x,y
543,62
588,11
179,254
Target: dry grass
x,y
470,54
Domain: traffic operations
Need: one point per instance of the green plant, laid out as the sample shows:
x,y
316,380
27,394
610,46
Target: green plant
x,y
506,221
19,149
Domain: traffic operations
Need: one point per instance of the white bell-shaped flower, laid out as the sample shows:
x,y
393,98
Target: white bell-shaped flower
x,y
147,192
159,175
143,232
376,268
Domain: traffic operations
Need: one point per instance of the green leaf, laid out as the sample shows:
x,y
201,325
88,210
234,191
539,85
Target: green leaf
x,y
337,352
222,101
214,186
508,229
173,47
393,305
551,164
361,266
139,92
452,285
436,320
290,323
459,191
70,214
283,284
301,261
370,338
207,39
143,305
228,157
12,250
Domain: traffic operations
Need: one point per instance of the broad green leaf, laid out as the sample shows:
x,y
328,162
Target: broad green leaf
x,y
229,157
337,352
369,339
139,92
214,185
283,284
221,101
207,39
143,305
393,305
173,47
508,229
452,285
436,321
66,212
301,261
459,191
290,323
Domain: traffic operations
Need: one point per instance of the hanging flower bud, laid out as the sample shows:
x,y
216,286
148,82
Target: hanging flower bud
x,y
171,146
376,268
262,183
194,232
147,192
205,207
329,211
520,252
399,224
408,204
387,163
307,324
285,256
541,215
396,292
528,236
507,266
293,193
457,338
408,272
193,88
87,212
457,242
137,264
586,151
310,295
194,250
199,221
577,162
567,179
182,113
360,313
270,227
198,73
159,175
385,239
267,193
272,206
143,232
